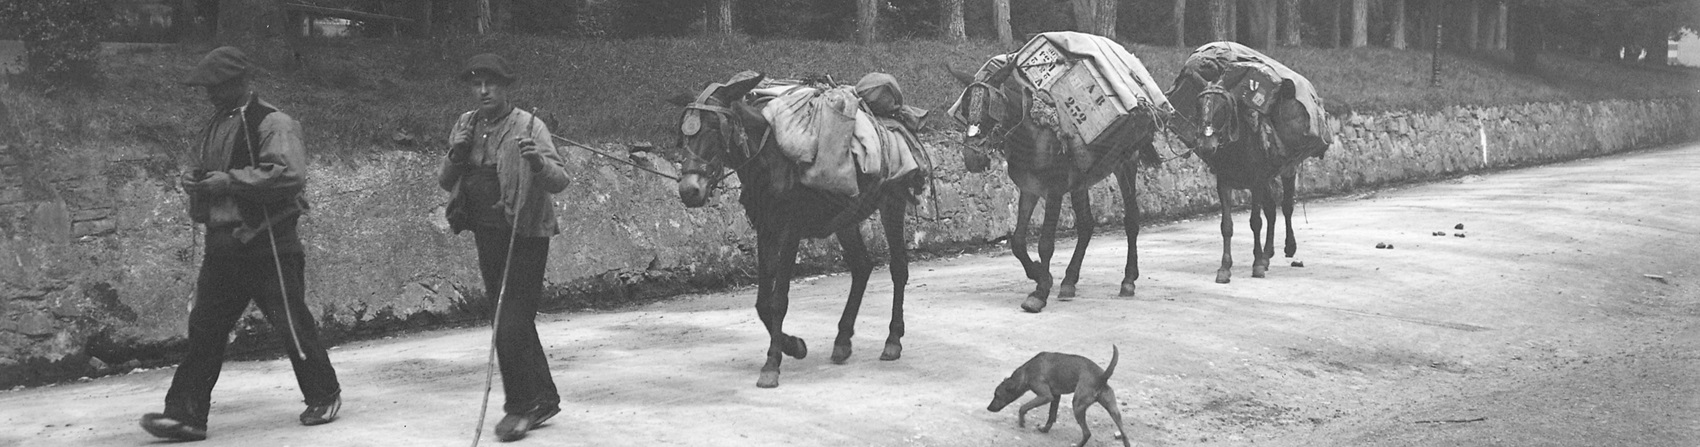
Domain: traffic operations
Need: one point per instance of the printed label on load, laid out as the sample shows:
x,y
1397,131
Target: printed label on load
x,y
1085,102
1041,63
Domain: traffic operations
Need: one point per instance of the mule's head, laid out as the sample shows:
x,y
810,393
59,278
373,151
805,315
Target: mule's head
x,y
983,108
713,134
1218,117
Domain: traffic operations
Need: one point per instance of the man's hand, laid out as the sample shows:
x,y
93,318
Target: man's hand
x,y
528,150
460,142
215,182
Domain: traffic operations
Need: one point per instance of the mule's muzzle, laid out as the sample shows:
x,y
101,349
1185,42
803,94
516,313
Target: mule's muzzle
x,y
693,190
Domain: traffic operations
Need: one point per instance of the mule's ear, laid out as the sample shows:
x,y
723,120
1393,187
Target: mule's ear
x,y
962,77
750,114
681,100
740,84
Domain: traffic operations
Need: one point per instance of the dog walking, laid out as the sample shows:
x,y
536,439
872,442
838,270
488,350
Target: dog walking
x,y
500,172
246,187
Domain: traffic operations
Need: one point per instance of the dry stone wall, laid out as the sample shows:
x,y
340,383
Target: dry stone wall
x,y
97,257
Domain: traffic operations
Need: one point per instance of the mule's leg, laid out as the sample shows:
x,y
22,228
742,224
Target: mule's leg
x,y
1084,223
1262,209
861,267
1035,301
1225,195
773,306
1130,223
1288,180
1048,239
1267,253
891,217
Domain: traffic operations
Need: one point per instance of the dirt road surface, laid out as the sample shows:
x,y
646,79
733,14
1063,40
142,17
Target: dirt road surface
x,y
1539,327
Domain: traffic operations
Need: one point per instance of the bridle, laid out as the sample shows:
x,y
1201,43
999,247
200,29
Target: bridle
x,y
732,135
1233,127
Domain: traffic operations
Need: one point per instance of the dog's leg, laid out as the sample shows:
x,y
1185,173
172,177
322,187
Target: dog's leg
x,y
1107,399
1056,401
1041,395
1082,401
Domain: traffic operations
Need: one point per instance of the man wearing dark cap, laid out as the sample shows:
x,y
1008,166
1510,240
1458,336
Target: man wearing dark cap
x,y
246,188
500,172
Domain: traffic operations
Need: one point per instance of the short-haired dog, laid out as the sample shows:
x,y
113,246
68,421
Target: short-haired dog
x,y
1049,375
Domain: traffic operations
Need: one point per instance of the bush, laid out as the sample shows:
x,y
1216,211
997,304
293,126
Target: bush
x,y
61,39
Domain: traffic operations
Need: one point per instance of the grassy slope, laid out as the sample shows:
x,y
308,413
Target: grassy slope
x,y
353,96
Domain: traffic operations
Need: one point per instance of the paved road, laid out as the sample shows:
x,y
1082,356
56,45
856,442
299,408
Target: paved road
x,y
1538,328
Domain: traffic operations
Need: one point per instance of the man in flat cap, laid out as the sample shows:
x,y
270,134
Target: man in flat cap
x,y
500,172
246,188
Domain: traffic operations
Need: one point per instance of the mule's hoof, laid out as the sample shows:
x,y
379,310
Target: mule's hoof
x,y
1222,277
797,348
1127,289
1065,293
769,379
1033,304
1291,250
893,351
1258,271
840,353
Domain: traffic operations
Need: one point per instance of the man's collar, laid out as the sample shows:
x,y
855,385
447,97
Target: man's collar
x,y
503,115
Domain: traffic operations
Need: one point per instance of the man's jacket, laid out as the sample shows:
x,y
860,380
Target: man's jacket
x,y
515,175
262,150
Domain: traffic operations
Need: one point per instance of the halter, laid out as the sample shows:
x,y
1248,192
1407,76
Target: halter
x,y
1000,131
732,134
1233,128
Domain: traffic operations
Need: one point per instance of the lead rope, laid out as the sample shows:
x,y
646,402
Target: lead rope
x,y
265,212
496,319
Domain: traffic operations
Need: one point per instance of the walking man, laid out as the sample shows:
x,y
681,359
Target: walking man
x,y
500,172
246,188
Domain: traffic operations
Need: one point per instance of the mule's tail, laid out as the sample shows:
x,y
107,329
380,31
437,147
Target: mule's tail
x,y
1104,380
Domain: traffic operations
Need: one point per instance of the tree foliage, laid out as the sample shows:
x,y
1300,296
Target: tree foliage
x,y
61,39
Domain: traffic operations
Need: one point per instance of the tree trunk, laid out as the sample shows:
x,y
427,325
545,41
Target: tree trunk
x,y
1000,19
1180,23
1219,20
1292,23
1085,15
260,28
1234,20
1473,25
1399,23
1502,32
1107,18
720,18
867,21
1360,23
1262,23
1658,51
953,28
1525,34
1333,23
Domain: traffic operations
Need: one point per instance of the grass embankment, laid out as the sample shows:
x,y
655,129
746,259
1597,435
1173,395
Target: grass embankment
x,y
354,96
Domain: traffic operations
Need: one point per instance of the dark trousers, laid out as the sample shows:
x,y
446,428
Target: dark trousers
x,y
222,294
525,369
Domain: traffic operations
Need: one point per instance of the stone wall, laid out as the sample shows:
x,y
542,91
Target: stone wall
x,y
97,257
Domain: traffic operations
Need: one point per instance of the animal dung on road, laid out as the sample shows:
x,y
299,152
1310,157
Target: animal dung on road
x,y
1439,233
1298,264
1458,234
1384,245
1458,227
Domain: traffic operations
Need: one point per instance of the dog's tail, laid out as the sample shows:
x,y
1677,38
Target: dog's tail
x,y
1104,380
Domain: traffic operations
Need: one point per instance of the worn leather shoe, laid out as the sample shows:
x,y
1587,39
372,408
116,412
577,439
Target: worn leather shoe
x,y
515,425
321,414
167,427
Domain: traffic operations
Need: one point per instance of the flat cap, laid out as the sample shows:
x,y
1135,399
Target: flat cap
x,y
221,64
487,64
